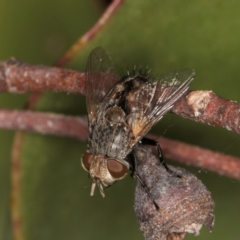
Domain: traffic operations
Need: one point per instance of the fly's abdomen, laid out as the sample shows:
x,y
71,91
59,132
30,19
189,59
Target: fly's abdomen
x,y
110,135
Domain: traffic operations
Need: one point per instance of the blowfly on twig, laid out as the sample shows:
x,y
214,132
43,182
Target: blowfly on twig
x,y
120,113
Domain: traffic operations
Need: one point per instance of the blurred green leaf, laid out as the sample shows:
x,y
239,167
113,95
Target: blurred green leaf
x,y
37,32
163,35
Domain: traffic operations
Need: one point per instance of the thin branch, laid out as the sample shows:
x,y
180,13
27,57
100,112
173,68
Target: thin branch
x,y
15,205
201,106
203,158
206,107
90,34
44,123
76,127
19,77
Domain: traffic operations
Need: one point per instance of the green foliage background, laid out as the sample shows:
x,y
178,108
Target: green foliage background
x,y
163,35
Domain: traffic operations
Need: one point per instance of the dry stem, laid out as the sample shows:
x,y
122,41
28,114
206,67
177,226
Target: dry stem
x,y
76,127
201,106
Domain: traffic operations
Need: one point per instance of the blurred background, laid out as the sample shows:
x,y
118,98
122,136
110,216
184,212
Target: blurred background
x,y
164,35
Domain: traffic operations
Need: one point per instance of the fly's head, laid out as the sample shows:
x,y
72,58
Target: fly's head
x,y
103,170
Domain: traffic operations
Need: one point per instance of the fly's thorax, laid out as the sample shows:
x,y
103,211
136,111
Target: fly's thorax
x,y
140,97
114,95
115,115
104,169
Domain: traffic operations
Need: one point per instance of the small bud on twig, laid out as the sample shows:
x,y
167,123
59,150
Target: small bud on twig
x,y
184,202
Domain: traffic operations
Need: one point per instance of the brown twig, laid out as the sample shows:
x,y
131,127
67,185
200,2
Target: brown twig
x,y
90,34
19,77
76,127
206,107
196,156
16,189
44,123
201,106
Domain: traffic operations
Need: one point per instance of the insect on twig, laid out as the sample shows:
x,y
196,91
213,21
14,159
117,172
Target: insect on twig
x,y
120,113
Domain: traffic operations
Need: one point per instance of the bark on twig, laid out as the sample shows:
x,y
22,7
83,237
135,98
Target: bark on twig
x,y
203,158
19,77
206,107
200,106
44,123
76,127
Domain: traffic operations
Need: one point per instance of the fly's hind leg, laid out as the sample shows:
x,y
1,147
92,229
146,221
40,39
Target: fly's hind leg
x,y
135,174
151,142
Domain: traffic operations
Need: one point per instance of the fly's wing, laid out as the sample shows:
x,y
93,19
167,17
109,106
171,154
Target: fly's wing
x,y
172,87
154,100
99,79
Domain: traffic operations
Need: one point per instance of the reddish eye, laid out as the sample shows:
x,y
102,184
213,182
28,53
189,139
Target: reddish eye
x,y
116,168
87,160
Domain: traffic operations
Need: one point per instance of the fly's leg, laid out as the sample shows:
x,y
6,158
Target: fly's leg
x,y
136,175
149,141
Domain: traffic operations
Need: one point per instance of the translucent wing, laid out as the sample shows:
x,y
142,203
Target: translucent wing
x,y
99,79
172,86
154,100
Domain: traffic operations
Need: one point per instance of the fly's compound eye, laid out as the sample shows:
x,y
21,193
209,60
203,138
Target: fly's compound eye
x,y
87,159
117,169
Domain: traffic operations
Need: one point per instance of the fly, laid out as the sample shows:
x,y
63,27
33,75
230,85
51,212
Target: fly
x,y
120,113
